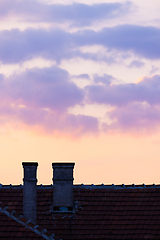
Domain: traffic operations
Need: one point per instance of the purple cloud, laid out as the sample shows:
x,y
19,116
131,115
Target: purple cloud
x,y
49,121
78,13
43,88
142,41
147,90
105,79
41,97
85,76
1,78
134,117
136,106
18,46
137,64
63,122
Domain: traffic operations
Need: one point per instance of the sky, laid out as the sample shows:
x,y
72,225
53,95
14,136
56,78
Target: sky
x,y
80,82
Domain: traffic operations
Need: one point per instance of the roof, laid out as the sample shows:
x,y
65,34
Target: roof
x,y
15,226
100,212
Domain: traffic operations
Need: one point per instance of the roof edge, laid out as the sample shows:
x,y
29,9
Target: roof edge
x,y
91,186
112,186
27,223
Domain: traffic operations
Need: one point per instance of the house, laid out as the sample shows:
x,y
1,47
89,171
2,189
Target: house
x,y
67,211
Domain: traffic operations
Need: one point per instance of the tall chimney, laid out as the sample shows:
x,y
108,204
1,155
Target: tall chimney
x,y
63,186
30,190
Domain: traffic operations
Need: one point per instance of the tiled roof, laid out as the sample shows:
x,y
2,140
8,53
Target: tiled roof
x,y
15,226
100,212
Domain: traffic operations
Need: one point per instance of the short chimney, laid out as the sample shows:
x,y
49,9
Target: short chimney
x,y
30,190
63,186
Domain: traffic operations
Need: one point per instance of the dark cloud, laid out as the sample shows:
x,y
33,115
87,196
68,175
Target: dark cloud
x,y
78,13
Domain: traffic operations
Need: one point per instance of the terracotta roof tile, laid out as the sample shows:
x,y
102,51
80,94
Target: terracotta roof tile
x,y
128,212
13,225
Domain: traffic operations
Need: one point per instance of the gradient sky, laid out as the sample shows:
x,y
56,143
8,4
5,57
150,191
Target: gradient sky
x,y
80,82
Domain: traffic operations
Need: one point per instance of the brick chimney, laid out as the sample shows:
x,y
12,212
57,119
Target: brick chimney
x,y
30,190
63,186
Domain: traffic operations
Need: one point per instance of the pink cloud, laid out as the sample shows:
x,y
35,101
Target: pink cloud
x,y
134,117
136,106
40,98
42,88
49,121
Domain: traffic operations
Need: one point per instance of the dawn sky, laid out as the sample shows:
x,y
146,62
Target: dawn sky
x,y
80,82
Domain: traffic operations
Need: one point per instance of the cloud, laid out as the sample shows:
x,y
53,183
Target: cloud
x,y
148,90
137,64
41,97
85,76
49,121
105,79
140,40
1,78
154,70
135,107
43,88
134,118
78,14
18,46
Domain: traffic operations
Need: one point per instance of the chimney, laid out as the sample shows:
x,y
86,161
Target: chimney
x,y
30,190
63,186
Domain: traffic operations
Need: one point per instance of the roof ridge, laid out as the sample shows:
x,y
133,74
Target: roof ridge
x,y
89,186
27,223
116,186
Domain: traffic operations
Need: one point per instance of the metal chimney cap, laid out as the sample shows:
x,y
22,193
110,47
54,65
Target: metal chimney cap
x,y
30,164
63,164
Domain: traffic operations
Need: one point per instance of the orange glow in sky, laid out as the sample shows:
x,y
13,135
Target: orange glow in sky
x,y
102,159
